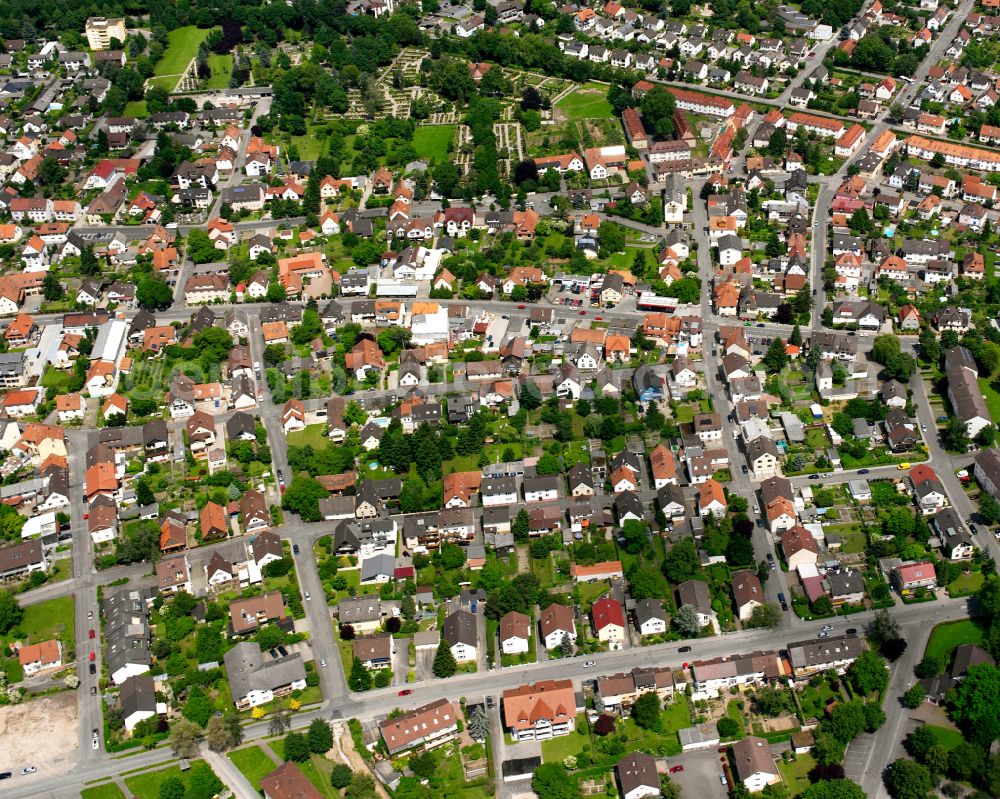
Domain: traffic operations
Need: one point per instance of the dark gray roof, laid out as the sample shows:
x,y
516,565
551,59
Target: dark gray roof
x,y
459,628
138,694
696,594
646,609
247,670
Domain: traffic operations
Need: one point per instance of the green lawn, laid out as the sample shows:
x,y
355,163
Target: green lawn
x,y
314,435
147,785
222,69
431,141
684,414
589,592
555,750
966,584
168,82
816,438
677,715
945,637
946,736
991,392
107,791
183,47
48,619
137,109
253,762
733,711
852,537
813,700
309,146
56,378
795,773
589,101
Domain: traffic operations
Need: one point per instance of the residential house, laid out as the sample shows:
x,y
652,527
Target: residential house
x,y
540,711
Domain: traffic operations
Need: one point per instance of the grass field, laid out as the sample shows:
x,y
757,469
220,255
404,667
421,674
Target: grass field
x,y
431,141
945,637
107,791
183,47
222,69
253,762
589,101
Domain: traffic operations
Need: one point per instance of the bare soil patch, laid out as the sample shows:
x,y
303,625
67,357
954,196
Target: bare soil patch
x,y
40,733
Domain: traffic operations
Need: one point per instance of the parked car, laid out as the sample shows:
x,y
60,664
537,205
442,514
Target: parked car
x,y
28,770
863,471
684,649
588,664
93,668
406,692
91,632
295,549
851,630
93,690
93,657
676,769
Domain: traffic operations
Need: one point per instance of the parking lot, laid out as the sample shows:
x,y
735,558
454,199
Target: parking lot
x,y
856,756
700,776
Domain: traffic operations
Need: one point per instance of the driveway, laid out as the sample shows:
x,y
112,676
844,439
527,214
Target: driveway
x,y
425,664
401,661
